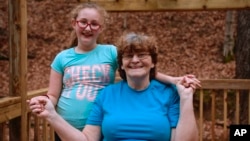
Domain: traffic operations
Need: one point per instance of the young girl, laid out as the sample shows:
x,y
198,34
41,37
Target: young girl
x,y
79,73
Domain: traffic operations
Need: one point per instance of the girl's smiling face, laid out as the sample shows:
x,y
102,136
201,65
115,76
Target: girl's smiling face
x,y
88,26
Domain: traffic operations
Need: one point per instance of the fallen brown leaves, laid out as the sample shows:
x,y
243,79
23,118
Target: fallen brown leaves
x,y
189,42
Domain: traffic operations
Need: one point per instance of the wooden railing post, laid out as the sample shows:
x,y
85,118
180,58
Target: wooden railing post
x,y
225,124
213,115
18,65
1,132
201,115
237,107
249,107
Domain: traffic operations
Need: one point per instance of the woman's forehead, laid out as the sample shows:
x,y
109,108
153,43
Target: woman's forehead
x,y
135,49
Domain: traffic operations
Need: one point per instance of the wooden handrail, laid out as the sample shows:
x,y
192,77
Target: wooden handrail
x,y
240,84
10,107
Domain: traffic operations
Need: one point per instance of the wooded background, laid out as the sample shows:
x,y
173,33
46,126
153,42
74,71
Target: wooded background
x,y
190,42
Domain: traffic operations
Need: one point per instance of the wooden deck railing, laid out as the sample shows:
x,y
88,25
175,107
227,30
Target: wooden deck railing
x,y
223,94
214,103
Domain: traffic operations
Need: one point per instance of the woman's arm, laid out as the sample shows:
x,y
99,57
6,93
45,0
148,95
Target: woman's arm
x,y
66,132
186,129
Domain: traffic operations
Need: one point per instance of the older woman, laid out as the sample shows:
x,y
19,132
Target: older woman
x,y
136,108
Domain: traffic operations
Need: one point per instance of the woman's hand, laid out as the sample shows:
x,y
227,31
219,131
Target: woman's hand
x,y
190,81
185,87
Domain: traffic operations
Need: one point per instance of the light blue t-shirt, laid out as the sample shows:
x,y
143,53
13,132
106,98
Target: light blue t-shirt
x,y
126,114
84,76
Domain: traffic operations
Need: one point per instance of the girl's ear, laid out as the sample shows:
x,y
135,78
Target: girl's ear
x,y
153,65
101,29
73,23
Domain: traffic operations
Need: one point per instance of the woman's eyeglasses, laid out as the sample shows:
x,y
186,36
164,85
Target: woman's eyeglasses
x,y
84,24
129,56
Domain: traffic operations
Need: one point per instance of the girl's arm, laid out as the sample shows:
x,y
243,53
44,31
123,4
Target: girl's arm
x,y
55,86
190,80
166,78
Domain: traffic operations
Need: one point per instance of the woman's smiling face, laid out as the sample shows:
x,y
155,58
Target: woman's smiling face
x,y
137,56
137,65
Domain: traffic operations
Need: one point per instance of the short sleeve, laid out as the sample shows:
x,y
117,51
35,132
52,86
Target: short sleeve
x,y
114,55
56,64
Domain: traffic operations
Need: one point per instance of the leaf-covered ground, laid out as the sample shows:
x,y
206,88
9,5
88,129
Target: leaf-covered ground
x,y
189,42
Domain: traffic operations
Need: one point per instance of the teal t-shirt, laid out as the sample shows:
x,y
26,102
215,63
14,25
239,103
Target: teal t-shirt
x,y
125,114
84,76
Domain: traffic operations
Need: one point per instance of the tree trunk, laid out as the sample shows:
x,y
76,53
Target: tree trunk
x,y
242,55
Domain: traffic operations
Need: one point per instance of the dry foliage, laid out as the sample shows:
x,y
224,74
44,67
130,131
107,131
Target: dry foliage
x,y
189,42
